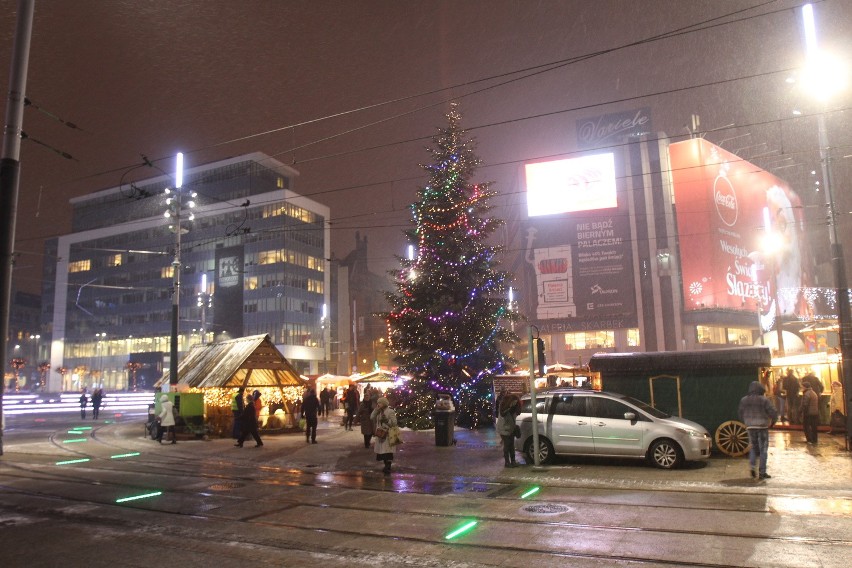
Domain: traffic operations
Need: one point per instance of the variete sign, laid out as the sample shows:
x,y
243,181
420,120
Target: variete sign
x,y
602,130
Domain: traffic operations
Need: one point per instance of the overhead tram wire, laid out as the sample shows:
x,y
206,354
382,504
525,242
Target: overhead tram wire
x,y
692,28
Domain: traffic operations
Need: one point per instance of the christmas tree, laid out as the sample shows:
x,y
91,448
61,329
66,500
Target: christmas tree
x,y
448,317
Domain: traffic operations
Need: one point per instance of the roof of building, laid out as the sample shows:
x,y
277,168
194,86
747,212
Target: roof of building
x,y
252,361
683,360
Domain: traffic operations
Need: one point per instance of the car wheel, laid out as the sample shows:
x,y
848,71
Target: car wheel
x,y
545,451
665,454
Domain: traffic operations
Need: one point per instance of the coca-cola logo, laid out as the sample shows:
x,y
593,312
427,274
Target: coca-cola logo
x,y
725,199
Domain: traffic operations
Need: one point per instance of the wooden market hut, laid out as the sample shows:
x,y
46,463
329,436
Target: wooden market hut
x,y
251,362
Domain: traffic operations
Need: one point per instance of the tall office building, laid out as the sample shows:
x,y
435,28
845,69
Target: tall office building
x,y
253,261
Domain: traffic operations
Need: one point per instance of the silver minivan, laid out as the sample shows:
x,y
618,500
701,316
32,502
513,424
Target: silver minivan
x,y
578,422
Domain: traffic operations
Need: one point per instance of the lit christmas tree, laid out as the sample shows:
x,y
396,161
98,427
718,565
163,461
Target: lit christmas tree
x,y
447,319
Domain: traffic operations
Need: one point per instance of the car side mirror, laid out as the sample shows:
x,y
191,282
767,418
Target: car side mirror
x,y
630,416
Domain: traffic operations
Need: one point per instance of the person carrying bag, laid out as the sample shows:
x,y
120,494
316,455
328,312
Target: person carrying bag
x,y
384,420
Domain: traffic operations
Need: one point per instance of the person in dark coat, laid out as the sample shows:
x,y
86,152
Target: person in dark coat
x,y
758,414
238,404
791,385
365,409
351,406
84,400
324,401
249,424
310,408
97,399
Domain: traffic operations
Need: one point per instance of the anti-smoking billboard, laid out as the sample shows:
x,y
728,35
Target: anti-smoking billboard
x,y
741,233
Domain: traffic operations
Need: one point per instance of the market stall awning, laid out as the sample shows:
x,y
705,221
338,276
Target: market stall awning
x,y
373,377
252,361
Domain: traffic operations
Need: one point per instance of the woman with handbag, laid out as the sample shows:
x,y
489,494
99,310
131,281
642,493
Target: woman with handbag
x,y
510,407
383,418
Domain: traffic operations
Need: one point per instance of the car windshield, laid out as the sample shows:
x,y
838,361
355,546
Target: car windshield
x,y
645,407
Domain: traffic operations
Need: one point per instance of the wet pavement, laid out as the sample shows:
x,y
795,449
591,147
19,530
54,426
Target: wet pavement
x,y
329,503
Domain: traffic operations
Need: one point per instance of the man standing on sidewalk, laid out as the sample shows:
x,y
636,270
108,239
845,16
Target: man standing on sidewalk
x,y
310,408
758,414
810,412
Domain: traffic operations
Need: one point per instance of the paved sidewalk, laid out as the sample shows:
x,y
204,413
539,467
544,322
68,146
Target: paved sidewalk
x,y
793,464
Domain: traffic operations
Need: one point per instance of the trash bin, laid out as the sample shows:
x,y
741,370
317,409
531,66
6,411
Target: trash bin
x,y
445,418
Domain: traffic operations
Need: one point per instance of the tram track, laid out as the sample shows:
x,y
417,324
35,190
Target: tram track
x,y
173,466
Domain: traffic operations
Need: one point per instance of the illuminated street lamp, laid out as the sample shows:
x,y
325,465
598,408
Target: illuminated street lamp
x,y
826,77
175,204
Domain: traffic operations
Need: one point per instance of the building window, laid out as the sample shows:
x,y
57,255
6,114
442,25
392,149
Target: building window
x,y
251,283
633,337
167,271
80,266
590,340
114,260
711,334
740,336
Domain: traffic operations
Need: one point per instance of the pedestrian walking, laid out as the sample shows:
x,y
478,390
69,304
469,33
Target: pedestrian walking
x,y
510,407
84,400
248,423
324,396
365,411
809,412
167,419
238,402
758,414
257,403
310,408
97,400
497,401
383,418
351,405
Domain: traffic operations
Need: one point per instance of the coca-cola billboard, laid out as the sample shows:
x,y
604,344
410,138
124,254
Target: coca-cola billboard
x,y
741,233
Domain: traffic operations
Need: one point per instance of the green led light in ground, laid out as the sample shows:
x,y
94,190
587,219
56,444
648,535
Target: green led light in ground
x,y
130,455
82,428
135,497
532,491
461,530
78,432
74,440
72,461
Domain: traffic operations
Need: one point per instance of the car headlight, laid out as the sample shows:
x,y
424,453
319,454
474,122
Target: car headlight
x,y
692,433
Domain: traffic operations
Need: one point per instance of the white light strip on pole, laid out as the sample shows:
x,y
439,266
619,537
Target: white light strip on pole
x,y
179,171
810,30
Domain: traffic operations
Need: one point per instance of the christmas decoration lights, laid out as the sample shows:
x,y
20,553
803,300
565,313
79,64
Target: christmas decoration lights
x,y
447,318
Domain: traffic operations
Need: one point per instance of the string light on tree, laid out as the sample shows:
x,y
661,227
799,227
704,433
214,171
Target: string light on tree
x,y
448,316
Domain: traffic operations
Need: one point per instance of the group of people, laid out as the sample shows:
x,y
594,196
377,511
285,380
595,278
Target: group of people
x,y
246,410
97,401
788,392
373,412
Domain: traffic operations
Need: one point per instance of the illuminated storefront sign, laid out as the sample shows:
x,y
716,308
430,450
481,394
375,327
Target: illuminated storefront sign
x,y
578,243
727,210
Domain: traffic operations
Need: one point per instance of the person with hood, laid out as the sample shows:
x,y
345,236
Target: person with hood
x,y
758,414
167,419
510,407
248,422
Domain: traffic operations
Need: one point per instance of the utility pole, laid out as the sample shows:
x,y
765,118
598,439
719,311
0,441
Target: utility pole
x,y
10,170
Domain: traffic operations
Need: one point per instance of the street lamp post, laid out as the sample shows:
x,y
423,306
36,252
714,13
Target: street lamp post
x,y
820,74
175,206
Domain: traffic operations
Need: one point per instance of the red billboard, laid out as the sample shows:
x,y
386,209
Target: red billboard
x,y
741,233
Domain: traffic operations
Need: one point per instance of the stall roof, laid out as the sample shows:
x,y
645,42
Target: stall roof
x,y
373,377
681,360
252,361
